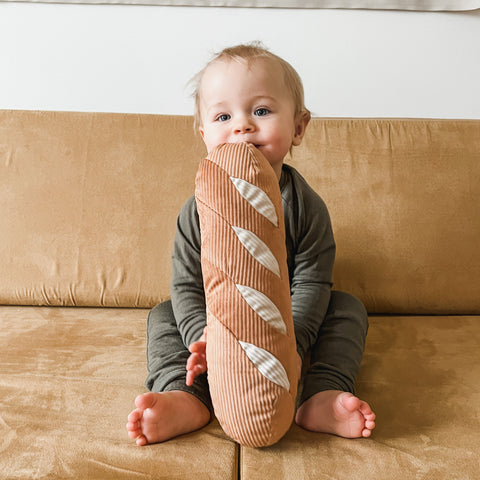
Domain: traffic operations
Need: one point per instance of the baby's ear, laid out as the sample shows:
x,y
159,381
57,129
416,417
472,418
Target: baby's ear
x,y
301,122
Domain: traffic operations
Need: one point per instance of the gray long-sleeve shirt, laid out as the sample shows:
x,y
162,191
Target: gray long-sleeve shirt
x,y
310,256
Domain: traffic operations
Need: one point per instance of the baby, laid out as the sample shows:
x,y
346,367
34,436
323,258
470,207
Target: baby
x,y
247,94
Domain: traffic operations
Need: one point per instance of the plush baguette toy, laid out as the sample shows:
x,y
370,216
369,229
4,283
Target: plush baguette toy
x,y
251,350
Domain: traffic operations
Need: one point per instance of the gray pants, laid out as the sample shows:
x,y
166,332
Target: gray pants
x,y
333,364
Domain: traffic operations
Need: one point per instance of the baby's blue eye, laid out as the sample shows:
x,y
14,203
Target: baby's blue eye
x,y
223,118
261,112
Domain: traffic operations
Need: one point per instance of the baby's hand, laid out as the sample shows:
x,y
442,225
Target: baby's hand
x,y
197,361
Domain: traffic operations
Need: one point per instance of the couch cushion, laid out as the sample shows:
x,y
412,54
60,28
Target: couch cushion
x,y
68,379
420,375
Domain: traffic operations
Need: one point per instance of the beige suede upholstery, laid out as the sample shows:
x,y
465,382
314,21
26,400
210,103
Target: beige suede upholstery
x,y
68,378
88,204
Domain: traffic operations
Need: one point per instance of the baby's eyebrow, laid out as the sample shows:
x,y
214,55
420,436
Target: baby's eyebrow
x,y
264,97
216,106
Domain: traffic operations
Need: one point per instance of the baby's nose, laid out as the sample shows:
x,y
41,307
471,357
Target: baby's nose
x,y
244,126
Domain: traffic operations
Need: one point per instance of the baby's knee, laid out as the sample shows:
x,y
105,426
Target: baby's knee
x,y
163,308
163,312
351,307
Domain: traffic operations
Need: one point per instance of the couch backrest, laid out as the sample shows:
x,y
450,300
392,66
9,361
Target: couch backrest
x,y
404,198
88,204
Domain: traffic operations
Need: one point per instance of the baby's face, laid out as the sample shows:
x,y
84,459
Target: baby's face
x,y
252,104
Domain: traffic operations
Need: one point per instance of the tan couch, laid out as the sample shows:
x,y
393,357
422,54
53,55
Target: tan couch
x,y
87,213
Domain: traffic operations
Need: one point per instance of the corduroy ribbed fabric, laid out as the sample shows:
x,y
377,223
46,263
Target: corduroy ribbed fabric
x,y
251,350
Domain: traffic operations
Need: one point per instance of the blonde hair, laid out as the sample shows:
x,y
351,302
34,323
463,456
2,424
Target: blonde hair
x,y
249,53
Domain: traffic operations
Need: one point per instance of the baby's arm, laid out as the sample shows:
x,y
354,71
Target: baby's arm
x,y
188,295
311,277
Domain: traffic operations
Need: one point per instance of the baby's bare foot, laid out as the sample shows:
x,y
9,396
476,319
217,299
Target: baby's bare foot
x,y
161,416
340,413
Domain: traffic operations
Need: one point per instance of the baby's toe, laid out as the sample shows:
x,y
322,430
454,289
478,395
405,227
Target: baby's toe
x,y
133,429
365,409
145,400
134,416
371,417
366,433
370,425
350,402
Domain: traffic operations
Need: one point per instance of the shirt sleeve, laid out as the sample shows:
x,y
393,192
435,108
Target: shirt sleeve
x,y
312,267
187,292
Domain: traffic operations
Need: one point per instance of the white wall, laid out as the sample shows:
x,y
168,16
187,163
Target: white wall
x,y
139,59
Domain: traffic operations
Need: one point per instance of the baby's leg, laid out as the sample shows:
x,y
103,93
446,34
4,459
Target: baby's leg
x,y
328,403
171,408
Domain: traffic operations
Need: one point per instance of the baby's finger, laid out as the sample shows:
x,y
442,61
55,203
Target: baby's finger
x,y
197,360
197,347
201,368
193,360
194,373
190,378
